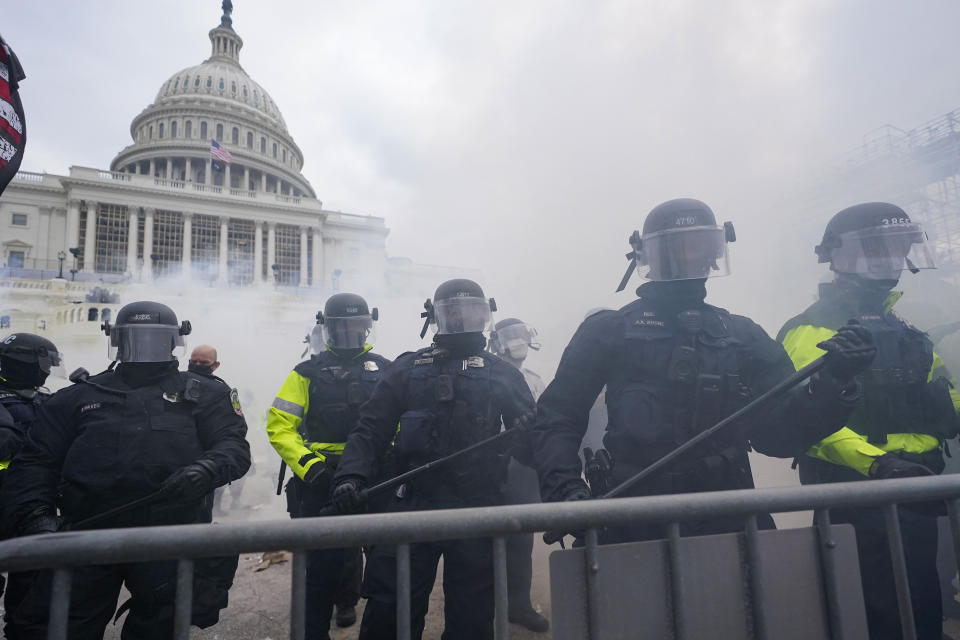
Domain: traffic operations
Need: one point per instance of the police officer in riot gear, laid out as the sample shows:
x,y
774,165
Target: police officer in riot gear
x,y
909,406
25,362
141,428
673,366
511,340
444,398
308,424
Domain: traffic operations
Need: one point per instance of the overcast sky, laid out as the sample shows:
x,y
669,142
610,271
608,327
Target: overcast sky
x,y
527,138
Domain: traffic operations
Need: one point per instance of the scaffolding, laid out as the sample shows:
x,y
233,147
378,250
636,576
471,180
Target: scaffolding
x,y
241,242
167,253
288,254
205,245
111,239
918,170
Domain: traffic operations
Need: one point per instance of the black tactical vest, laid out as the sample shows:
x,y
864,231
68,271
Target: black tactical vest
x,y
679,374
337,389
128,443
897,396
451,404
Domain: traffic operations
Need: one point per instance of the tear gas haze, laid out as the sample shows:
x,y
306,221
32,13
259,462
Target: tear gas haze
x,y
524,140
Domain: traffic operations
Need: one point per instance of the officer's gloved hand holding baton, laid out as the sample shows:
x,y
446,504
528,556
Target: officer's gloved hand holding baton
x,y
348,495
43,519
849,351
192,481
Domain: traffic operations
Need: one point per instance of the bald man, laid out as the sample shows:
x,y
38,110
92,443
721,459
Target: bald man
x,y
203,360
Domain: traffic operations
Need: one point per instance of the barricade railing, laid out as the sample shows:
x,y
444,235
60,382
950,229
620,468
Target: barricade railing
x,y
183,543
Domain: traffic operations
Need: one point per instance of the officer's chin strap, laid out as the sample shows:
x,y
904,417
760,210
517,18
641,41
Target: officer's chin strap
x,y
635,242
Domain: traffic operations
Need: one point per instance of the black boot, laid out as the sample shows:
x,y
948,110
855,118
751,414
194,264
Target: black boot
x,y
346,616
530,619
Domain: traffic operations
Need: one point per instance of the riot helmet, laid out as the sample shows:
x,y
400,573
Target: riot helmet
x,y
680,241
876,241
513,338
458,306
345,323
27,359
146,332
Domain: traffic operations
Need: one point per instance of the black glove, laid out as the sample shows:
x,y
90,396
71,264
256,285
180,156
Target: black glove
x,y
578,491
575,490
525,420
891,465
192,481
849,351
316,473
348,496
43,519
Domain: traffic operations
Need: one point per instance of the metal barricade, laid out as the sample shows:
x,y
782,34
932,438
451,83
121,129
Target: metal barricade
x,y
63,551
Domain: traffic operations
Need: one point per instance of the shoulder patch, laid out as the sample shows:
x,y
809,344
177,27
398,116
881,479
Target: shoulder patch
x,y
475,361
420,361
370,365
235,401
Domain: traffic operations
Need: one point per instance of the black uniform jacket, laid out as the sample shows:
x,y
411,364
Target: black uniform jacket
x,y
634,351
434,405
93,449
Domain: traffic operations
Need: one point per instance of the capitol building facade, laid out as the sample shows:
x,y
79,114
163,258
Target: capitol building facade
x,y
168,208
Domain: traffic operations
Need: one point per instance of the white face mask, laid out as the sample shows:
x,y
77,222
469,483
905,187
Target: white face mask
x,y
518,351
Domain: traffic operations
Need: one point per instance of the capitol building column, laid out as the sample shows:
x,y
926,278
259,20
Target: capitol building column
x,y
90,241
148,243
222,267
303,257
271,250
258,253
71,238
132,213
186,258
317,258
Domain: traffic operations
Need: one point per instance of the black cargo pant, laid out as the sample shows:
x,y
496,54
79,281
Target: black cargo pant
x,y
94,590
93,600
333,575
467,582
919,534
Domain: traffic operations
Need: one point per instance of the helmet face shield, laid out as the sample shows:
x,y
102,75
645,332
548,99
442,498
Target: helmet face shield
x,y
51,363
462,315
351,332
882,252
685,253
146,343
516,339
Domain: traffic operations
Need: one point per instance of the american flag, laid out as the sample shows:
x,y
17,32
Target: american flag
x,y
219,152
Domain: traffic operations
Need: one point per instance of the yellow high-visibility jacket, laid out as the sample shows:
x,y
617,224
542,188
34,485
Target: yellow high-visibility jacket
x,y
848,447
317,405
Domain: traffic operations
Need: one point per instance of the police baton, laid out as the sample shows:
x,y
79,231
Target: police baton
x,y
396,481
116,511
551,537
